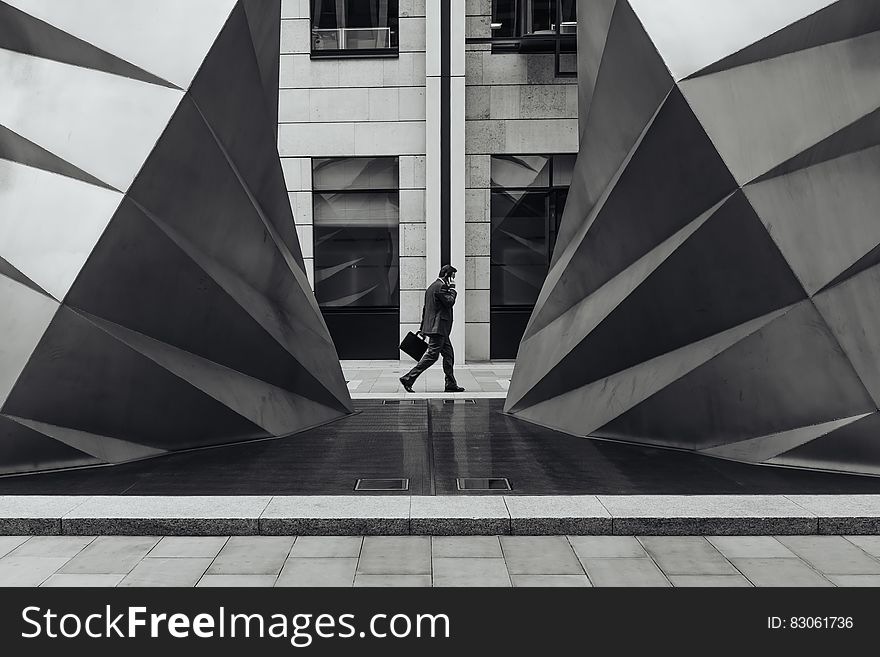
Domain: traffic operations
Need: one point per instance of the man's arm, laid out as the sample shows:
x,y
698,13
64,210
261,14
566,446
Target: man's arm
x,y
445,296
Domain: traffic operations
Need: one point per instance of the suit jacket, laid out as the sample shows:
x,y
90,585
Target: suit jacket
x,y
437,313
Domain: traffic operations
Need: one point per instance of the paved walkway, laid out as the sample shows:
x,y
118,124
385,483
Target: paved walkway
x,y
379,379
505,561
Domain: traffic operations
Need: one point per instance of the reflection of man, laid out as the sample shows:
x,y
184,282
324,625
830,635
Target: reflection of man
x,y
436,324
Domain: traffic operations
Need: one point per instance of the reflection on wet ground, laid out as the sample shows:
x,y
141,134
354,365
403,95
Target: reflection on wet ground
x,y
432,443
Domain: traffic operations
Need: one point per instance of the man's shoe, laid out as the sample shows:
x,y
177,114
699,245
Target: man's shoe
x,y
406,386
455,389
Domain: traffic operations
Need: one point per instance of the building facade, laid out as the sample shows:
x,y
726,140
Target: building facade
x,y
415,133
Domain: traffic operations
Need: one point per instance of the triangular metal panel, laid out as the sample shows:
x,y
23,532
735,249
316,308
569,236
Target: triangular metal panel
x,y
104,124
168,38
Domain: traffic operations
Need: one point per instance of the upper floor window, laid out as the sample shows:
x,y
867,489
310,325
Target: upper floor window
x,y
354,28
534,26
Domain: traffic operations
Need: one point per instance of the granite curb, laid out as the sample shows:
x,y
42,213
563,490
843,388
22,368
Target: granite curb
x,y
342,515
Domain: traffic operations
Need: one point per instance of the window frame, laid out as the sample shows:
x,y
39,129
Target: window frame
x,y
552,192
356,53
372,190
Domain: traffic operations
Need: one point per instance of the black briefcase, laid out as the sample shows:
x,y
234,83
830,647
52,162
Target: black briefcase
x,y
413,346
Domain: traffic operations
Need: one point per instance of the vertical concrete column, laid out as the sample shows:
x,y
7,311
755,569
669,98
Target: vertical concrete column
x,y
445,150
456,180
433,132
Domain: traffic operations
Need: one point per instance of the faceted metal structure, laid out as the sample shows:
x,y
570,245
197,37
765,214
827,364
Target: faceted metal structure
x,y
151,282
716,285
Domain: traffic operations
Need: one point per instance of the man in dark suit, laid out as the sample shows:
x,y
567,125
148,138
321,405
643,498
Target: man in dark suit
x,y
436,325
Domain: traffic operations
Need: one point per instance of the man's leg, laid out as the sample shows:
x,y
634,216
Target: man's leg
x,y
448,364
435,345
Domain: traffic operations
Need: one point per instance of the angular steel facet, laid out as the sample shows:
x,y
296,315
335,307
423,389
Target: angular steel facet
x,y
151,281
716,287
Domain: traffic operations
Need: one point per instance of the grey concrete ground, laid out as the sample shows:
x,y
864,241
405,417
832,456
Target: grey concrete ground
x,y
504,561
379,379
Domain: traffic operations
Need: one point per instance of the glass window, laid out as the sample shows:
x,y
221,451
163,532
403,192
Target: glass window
x,y
520,171
354,27
355,173
523,18
527,202
356,216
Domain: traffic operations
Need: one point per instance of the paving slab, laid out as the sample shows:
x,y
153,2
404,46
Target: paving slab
x,y
872,581
35,514
687,555
695,515
540,555
470,572
336,515
110,555
237,581
709,581
843,514
394,581
459,515
624,572
780,572
165,572
82,581
870,544
832,555
52,546
179,515
466,546
587,547
532,515
318,571
743,547
252,555
28,571
395,555
189,546
550,581
9,543
327,546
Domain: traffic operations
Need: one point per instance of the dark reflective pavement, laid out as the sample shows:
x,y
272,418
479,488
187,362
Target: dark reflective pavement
x,y
432,444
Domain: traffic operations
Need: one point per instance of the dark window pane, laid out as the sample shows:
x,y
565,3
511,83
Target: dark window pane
x,y
563,166
540,17
356,232
354,173
518,18
519,259
569,12
512,171
354,24
505,21
356,266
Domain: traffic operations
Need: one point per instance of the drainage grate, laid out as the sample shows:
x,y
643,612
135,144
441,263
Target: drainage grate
x,y
381,484
402,402
489,483
459,401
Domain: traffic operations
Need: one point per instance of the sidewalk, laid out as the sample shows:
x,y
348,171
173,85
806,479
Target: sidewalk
x,y
440,515
558,561
379,379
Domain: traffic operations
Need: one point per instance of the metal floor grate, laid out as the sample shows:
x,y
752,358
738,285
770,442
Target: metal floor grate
x,y
487,483
459,401
382,484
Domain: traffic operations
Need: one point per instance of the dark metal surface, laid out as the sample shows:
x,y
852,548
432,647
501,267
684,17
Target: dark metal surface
x,y
152,283
463,440
718,288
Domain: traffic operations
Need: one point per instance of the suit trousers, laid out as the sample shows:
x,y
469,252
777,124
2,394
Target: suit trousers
x,y
438,345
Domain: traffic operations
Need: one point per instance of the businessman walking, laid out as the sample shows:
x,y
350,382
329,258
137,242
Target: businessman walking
x,y
436,325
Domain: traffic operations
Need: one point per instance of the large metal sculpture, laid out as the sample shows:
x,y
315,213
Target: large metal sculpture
x,y
717,281
152,291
